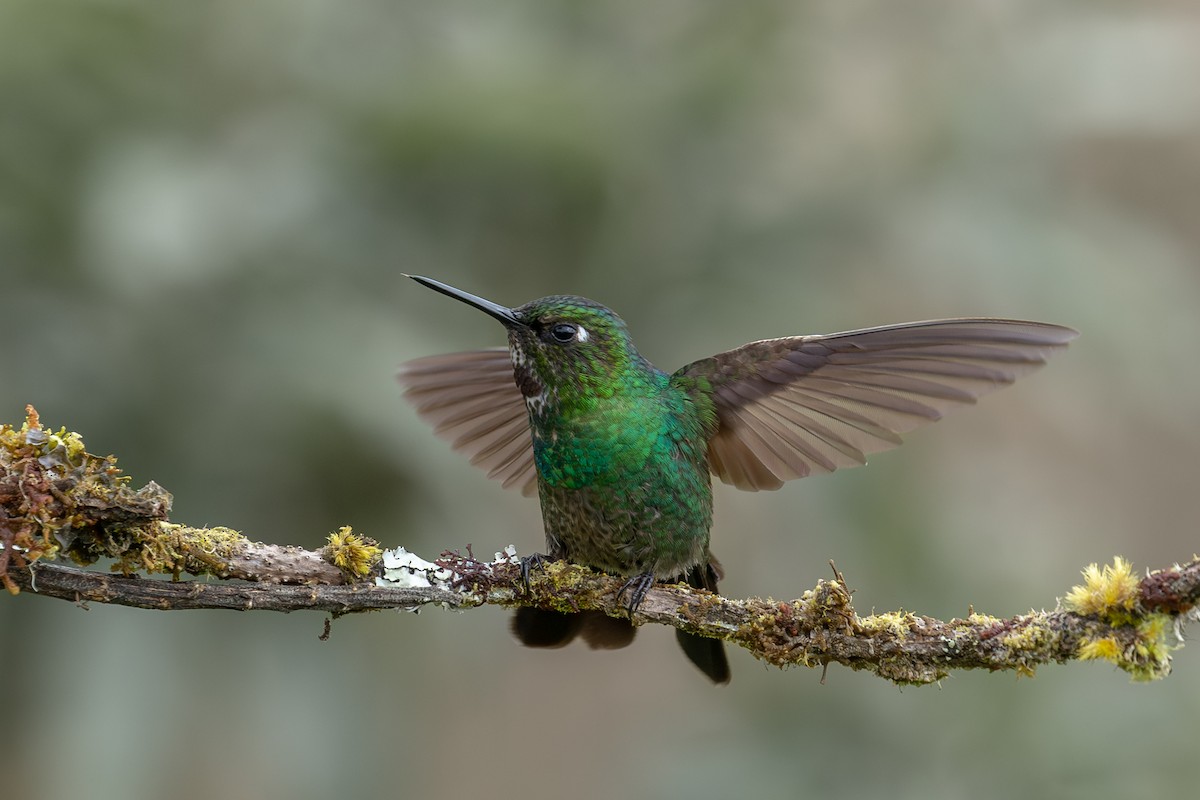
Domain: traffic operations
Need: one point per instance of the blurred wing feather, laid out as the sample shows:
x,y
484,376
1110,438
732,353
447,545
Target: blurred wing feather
x,y
472,400
800,405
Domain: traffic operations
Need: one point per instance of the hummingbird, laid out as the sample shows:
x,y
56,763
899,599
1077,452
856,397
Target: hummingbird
x,y
621,453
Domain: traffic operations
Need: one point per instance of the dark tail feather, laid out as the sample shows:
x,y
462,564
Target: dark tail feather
x,y
539,627
707,654
603,632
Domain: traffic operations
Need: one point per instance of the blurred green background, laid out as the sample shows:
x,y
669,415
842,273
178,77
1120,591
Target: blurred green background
x,y
205,208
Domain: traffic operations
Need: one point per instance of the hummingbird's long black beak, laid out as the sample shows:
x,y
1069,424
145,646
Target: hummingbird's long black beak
x,y
505,315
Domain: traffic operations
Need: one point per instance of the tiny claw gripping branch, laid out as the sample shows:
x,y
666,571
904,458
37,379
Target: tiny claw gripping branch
x,y
636,587
531,563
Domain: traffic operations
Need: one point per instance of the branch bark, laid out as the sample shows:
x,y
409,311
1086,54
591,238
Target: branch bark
x,y
89,586
56,500
819,628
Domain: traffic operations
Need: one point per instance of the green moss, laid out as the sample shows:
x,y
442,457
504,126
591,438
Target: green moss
x,y
59,499
62,500
566,587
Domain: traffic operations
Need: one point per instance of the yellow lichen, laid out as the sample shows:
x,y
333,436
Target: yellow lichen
x,y
826,606
570,587
1152,654
204,551
1030,643
1139,644
70,442
1110,593
1032,636
1103,649
564,575
897,623
353,554
1146,657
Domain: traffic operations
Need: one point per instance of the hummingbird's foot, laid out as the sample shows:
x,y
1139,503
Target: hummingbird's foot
x,y
637,586
530,563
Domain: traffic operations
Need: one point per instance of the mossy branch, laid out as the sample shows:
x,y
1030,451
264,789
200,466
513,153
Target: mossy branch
x,y
57,500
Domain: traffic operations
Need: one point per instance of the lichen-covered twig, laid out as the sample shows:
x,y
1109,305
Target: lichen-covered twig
x,y
56,499
819,628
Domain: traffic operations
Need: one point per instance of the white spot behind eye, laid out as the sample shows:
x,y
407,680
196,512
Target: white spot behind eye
x,y
581,334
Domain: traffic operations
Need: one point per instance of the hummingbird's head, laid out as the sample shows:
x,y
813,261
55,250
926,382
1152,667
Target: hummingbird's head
x,y
570,349
565,349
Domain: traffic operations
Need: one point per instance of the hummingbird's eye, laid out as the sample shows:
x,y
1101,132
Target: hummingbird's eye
x,y
564,332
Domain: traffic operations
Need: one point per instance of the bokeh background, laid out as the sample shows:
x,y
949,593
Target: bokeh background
x,y
205,208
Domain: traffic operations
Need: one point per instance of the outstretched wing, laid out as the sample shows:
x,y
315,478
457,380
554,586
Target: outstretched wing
x,y
792,407
472,400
